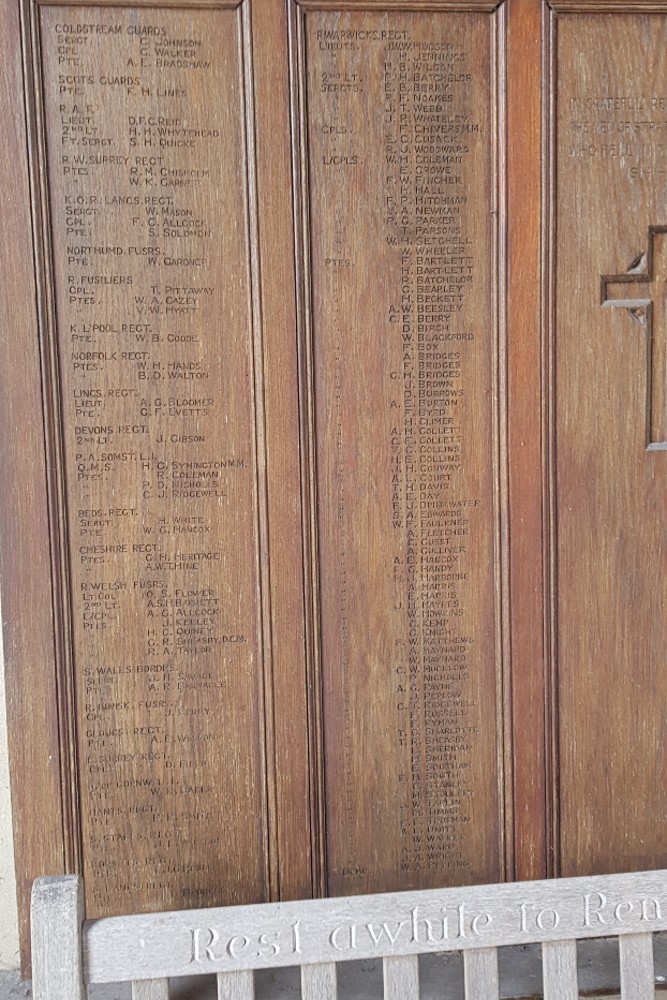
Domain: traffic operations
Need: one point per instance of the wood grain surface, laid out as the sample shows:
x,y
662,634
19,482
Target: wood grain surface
x,y
163,451
319,982
529,851
41,779
57,911
402,358
474,920
559,970
609,489
333,491
318,936
480,971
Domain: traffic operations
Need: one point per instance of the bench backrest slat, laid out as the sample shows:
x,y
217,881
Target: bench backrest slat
x,y
319,982
150,989
309,932
236,985
637,970
480,974
559,970
318,935
401,978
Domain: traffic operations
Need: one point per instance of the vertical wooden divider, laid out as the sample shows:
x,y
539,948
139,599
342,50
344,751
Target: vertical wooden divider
x,y
525,438
25,549
293,825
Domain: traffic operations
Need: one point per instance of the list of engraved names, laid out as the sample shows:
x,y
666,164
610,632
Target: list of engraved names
x,y
149,220
401,152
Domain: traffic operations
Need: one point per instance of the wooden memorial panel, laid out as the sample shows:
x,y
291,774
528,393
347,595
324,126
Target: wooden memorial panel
x,y
318,581
609,461
231,722
400,149
148,226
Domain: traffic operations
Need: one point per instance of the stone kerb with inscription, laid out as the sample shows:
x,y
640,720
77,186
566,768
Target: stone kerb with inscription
x,y
363,927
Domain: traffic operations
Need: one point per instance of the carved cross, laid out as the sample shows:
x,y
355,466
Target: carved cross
x,y
642,290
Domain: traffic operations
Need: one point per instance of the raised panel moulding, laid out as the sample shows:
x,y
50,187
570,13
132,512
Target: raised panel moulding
x,y
148,233
607,427
398,159
608,6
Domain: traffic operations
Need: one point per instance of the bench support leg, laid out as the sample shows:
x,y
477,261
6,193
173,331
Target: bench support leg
x,y
56,916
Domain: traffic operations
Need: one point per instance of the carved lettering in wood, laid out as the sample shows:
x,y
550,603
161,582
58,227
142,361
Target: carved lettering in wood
x,y
399,131
153,347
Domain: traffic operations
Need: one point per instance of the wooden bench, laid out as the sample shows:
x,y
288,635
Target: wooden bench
x,y
70,953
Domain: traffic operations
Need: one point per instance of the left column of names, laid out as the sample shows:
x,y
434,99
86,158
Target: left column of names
x,y
148,215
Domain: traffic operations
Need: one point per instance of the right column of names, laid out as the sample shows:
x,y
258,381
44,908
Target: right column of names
x,y
404,346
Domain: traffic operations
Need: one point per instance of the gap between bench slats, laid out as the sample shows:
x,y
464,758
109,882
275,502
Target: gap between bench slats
x,y
231,986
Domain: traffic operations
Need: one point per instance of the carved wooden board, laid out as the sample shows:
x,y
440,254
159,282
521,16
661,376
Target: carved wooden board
x,y
326,584
399,132
609,464
169,627
156,385
191,771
